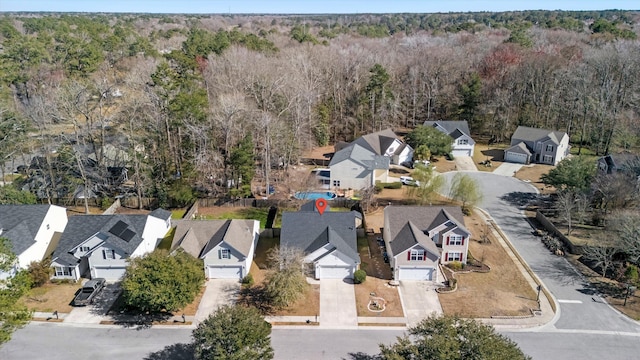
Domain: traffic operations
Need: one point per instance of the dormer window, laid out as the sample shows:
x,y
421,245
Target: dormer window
x,y
225,254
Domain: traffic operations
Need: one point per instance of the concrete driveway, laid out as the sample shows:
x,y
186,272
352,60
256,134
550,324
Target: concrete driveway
x,y
94,313
465,163
337,304
419,300
218,292
507,169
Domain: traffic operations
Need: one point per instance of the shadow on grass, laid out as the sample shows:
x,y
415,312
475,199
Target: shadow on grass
x,y
256,296
494,154
173,352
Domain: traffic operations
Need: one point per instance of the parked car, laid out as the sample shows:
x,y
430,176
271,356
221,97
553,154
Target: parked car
x,y
421,162
408,180
89,291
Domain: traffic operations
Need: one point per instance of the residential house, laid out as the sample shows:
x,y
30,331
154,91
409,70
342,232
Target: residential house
x,y
417,238
532,145
33,232
386,143
355,167
614,163
100,245
463,144
328,240
226,246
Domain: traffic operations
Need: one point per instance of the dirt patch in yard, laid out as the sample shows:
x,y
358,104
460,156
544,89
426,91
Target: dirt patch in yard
x,y
532,173
442,165
191,309
51,297
501,292
378,288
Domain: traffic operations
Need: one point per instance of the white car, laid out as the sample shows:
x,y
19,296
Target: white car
x,y
408,180
421,162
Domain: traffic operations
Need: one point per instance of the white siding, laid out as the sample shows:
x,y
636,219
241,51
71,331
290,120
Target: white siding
x,y
416,273
334,261
54,221
346,173
212,258
154,230
224,272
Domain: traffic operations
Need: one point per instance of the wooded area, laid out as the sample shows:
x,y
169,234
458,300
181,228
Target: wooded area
x,y
179,106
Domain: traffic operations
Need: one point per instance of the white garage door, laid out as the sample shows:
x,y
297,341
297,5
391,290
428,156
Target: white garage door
x,y
461,152
225,272
335,272
515,157
416,273
111,274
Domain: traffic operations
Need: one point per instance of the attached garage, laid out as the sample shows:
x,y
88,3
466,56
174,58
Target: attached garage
x,y
416,273
515,157
109,273
334,272
225,272
461,152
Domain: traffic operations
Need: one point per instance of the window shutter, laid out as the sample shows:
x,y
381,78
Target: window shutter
x,y
462,243
104,254
113,254
448,239
446,257
219,253
424,256
409,255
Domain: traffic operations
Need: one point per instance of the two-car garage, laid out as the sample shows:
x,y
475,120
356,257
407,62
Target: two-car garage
x,y
334,272
416,273
224,272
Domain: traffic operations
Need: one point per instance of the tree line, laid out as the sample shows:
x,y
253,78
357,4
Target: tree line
x,y
198,105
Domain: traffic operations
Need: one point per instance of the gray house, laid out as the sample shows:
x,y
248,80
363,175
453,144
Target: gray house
x,y
100,245
463,144
532,145
329,240
226,246
613,163
417,238
356,167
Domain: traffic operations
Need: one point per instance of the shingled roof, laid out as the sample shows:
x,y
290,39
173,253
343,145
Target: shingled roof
x,y
198,237
20,224
524,133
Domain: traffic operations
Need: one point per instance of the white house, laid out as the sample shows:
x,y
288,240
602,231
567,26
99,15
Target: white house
x,y
99,245
417,238
463,144
355,167
328,240
227,247
32,230
532,145
386,143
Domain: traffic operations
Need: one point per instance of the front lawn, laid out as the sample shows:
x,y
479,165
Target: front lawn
x,y
503,291
374,288
51,297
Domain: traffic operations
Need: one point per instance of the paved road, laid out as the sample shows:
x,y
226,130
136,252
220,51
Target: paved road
x,y
59,342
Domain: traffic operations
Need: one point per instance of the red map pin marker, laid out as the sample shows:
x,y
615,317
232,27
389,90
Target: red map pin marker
x,y
321,204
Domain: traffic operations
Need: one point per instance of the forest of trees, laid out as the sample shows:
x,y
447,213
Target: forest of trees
x,y
196,105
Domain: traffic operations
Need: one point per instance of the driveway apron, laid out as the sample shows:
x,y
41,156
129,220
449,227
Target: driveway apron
x,y
337,304
507,169
465,163
419,300
219,292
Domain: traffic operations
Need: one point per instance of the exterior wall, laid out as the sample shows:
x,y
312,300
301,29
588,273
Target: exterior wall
x,y
563,149
405,155
402,258
212,258
336,258
318,253
154,230
97,260
75,272
469,146
54,221
346,172
381,175
392,148
446,248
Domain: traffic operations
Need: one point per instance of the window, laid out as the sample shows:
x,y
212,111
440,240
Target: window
x,y
454,256
549,148
547,159
336,183
225,254
47,226
417,255
84,248
108,254
463,142
455,240
62,271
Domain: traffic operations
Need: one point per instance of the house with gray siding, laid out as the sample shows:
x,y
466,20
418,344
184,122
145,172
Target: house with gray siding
x,y
462,143
98,246
540,146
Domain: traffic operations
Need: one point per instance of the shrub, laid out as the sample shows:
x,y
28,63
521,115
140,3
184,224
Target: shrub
x,y
631,274
105,202
455,265
40,272
391,185
248,281
359,276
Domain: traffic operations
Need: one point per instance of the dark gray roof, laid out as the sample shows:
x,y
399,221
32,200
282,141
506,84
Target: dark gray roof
x,y
524,133
377,142
402,218
520,148
409,236
161,214
450,127
309,231
82,227
20,224
368,159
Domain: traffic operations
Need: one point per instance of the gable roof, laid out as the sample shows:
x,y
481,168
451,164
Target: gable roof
x,y
524,133
161,213
520,148
358,154
198,237
20,224
407,222
309,231
82,227
455,129
377,142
